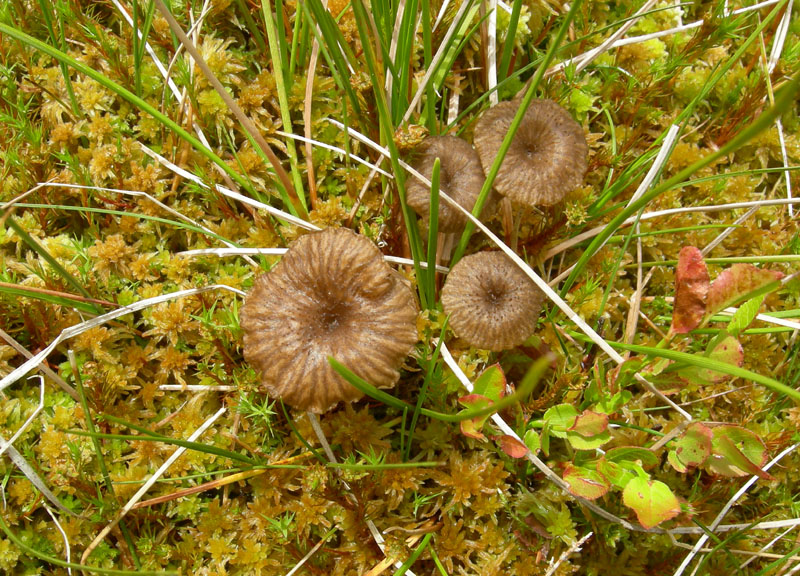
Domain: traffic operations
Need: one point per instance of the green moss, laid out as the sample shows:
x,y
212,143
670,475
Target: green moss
x,y
489,513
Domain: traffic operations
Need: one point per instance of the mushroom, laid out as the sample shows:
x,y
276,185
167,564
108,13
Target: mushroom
x,y
547,157
460,177
492,304
332,294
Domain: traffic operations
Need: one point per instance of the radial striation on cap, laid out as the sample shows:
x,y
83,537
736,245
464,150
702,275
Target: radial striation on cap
x,y
332,294
548,154
460,177
492,304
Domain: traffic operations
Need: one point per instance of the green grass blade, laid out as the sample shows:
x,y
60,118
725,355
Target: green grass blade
x,y
784,99
98,450
707,363
126,95
414,555
198,446
686,114
252,27
508,46
433,236
429,110
402,61
47,11
67,302
387,134
45,255
423,391
501,153
139,44
457,42
334,49
279,54
165,221
536,371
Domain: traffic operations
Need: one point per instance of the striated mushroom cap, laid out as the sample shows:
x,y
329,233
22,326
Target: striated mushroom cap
x,y
548,155
460,177
492,303
332,294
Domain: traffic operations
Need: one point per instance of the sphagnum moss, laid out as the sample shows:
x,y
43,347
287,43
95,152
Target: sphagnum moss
x,y
488,514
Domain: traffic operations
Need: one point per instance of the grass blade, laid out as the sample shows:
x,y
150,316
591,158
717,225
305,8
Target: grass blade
x,y
512,129
784,99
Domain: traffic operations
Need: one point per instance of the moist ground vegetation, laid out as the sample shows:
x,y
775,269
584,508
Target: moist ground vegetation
x,y
648,425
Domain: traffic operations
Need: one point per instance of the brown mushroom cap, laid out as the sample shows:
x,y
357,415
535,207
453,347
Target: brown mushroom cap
x,y
548,155
460,177
492,303
332,294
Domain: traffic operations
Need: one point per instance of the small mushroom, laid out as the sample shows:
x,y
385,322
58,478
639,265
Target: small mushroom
x,y
332,294
548,155
492,304
460,177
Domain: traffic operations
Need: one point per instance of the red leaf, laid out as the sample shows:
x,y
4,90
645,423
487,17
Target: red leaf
x,y
738,282
691,288
512,446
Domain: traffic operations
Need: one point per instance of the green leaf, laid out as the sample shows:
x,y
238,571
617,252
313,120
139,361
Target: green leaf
x,y
532,441
739,282
618,475
692,449
725,349
745,315
585,483
473,426
590,424
651,500
615,403
560,419
582,443
634,454
491,383
737,451
691,288
588,431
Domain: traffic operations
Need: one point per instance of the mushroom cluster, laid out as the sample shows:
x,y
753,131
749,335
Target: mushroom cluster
x,y
492,304
548,154
333,295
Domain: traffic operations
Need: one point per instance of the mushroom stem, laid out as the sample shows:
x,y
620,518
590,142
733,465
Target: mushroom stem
x,y
510,223
321,437
445,242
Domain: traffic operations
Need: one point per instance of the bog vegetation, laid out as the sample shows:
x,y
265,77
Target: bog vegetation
x,y
155,159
